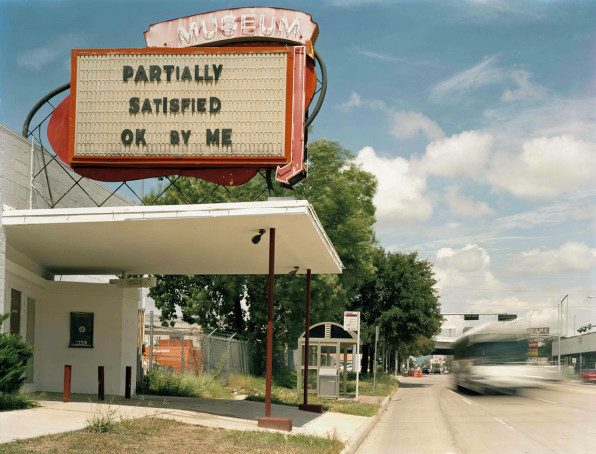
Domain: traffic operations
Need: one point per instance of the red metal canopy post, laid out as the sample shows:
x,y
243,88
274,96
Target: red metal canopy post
x,y
305,406
269,421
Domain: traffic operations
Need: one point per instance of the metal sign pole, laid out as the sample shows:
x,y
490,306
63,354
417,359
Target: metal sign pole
x,y
182,355
269,363
375,360
151,342
357,364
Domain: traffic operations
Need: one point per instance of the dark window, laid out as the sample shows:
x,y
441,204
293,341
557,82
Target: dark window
x,y
318,331
337,332
15,311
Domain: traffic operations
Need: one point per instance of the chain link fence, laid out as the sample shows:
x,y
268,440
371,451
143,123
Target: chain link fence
x,y
185,348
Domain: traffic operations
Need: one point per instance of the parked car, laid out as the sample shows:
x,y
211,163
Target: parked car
x,y
348,369
589,375
426,370
436,371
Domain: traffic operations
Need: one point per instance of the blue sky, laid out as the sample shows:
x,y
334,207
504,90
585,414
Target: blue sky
x,y
478,118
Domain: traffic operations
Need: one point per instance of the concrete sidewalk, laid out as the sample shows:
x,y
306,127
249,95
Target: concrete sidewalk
x,y
54,416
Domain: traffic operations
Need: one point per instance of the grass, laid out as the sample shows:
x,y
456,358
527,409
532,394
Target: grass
x,y
158,435
385,385
103,419
17,401
283,390
254,388
187,385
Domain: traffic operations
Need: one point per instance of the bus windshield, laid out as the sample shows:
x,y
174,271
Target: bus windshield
x,y
499,352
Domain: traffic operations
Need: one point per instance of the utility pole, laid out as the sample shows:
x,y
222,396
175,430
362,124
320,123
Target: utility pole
x,y
375,360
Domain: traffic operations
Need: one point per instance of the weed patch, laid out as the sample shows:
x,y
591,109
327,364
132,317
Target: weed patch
x,y
187,385
17,401
103,419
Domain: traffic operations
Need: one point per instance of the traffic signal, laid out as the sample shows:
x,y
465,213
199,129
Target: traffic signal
x,y
506,317
471,317
583,329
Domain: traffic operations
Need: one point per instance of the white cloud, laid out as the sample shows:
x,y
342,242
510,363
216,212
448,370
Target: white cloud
x,y
56,49
493,9
516,83
569,257
462,154
379,56
466,206
459,270
471,258
471,79
582,213
402,124
547,167
354,101
525,89
399,199
406,125
552,117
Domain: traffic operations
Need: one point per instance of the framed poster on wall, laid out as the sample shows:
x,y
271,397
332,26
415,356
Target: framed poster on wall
x,y
81,329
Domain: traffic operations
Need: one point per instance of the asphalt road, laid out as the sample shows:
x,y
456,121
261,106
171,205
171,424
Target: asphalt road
x,y
427,416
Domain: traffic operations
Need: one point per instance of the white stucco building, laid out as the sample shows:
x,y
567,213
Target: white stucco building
x,y
40,306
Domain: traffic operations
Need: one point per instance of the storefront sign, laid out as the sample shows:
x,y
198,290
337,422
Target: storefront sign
x,y
534,331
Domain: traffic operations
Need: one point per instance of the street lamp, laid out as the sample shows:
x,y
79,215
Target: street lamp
x,y
566,316
560,326
559,336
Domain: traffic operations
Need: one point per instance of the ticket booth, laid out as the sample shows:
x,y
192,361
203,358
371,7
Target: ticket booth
x,y
329,360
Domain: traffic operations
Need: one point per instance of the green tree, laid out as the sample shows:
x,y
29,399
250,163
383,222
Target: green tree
x,y
341,194
402,301
14,354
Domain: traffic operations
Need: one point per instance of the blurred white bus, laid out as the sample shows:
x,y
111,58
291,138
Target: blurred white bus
x,y
493,358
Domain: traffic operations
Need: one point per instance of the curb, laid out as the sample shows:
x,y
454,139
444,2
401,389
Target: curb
x,y
365,429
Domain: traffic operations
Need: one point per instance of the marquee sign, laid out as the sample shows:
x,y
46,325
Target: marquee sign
x,y
209,105
177,107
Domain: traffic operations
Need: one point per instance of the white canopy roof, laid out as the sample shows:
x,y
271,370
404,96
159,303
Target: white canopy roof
x,y
180,239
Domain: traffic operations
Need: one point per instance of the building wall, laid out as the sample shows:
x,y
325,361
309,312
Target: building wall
x,y
576,344
115,309
15,179
114,337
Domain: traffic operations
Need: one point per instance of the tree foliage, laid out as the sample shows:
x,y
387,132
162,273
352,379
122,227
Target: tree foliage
x,y
341,194
402,301
14,354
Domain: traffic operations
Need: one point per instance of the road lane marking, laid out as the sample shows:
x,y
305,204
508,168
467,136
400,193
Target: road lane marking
x,y
467,401
504,423
543,400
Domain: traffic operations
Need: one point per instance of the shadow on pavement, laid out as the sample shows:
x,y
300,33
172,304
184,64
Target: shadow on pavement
x,y
231,408
414,385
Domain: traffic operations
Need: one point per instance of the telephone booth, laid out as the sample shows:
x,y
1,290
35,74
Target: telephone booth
x,y
329,360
